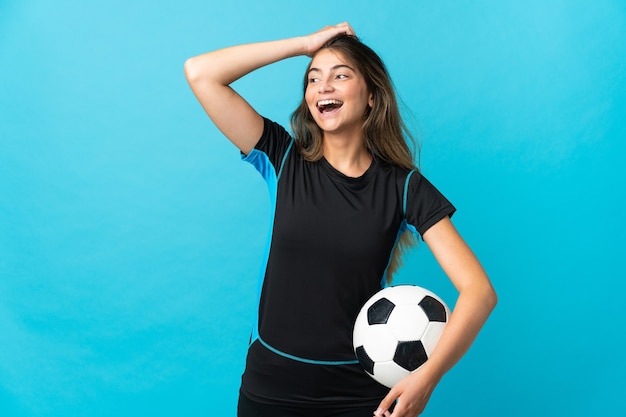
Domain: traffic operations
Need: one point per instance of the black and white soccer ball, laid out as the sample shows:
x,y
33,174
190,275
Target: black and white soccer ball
x,y
397,330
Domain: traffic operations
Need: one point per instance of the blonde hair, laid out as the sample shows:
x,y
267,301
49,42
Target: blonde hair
x,y
384,132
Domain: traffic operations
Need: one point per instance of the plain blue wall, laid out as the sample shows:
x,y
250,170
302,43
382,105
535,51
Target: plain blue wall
x,y
131,233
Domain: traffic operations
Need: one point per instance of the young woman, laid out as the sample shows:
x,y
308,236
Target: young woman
x,y
346,200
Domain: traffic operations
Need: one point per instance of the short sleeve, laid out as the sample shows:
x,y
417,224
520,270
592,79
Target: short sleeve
x,y
425,205
272,147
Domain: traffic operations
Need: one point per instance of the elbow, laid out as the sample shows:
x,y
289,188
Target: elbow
x,y
491,298
483,295
481,292
196,70
191,72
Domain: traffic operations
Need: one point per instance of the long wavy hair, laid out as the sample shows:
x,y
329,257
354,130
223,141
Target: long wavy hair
x,y
384,132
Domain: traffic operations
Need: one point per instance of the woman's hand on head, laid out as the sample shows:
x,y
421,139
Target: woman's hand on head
x,y
317,39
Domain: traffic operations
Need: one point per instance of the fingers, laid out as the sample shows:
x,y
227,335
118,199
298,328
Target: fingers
x,y
387,414
385,404
330,32
346,27
343,28
382,413
317,39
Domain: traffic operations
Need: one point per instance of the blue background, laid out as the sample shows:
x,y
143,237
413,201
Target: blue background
x,y
131,233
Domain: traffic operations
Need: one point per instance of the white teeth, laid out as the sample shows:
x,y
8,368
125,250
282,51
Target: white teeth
x,y
329,102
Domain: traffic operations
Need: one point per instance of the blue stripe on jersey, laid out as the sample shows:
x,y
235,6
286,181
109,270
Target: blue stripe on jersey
x,y
406,191
299,359
261,161
408,226
280,170
403,227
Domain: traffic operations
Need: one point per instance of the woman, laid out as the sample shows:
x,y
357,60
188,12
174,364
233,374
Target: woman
x,y
344,190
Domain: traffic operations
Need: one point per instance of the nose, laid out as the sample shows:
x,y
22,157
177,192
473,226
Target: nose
x,y
324,86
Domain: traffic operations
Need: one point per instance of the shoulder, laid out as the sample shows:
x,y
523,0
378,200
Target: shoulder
x,y
401,175
271,149
274,130
424,203
274,139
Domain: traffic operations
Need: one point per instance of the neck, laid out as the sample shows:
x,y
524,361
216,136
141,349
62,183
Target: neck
x,y
347,154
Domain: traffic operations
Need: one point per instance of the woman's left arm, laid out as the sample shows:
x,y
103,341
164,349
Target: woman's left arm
x,y
476,300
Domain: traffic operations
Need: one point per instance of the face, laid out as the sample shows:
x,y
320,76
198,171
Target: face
x,y
336,94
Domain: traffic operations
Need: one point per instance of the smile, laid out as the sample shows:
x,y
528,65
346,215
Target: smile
x,y
328,105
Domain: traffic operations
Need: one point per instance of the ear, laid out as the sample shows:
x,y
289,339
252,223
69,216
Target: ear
x,y
370,100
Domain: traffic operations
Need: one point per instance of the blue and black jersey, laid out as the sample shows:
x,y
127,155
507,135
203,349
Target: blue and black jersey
x,y
330,244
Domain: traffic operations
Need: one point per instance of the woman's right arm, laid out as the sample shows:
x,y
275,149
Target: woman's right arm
x,y
211,74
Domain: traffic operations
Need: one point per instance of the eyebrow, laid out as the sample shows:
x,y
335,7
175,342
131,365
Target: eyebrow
x,y
336,67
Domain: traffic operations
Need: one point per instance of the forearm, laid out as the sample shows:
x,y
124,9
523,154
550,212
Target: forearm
x,y
474,304
471,311
227,65
210,75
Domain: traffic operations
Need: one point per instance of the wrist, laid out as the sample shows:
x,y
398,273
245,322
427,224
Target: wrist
x,y
431,372
302,46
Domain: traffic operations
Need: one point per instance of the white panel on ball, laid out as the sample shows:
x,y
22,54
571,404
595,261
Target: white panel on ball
x,y
380,343
404,329
432,335
389,373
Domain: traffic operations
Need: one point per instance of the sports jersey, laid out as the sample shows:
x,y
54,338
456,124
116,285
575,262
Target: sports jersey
x,y
328,250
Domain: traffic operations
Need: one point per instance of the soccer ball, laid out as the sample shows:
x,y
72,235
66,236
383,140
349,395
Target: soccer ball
x,y
397,330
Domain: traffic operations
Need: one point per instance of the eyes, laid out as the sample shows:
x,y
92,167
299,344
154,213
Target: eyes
x,y
339,76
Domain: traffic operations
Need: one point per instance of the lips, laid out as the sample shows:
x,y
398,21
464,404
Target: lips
x,y
328,105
